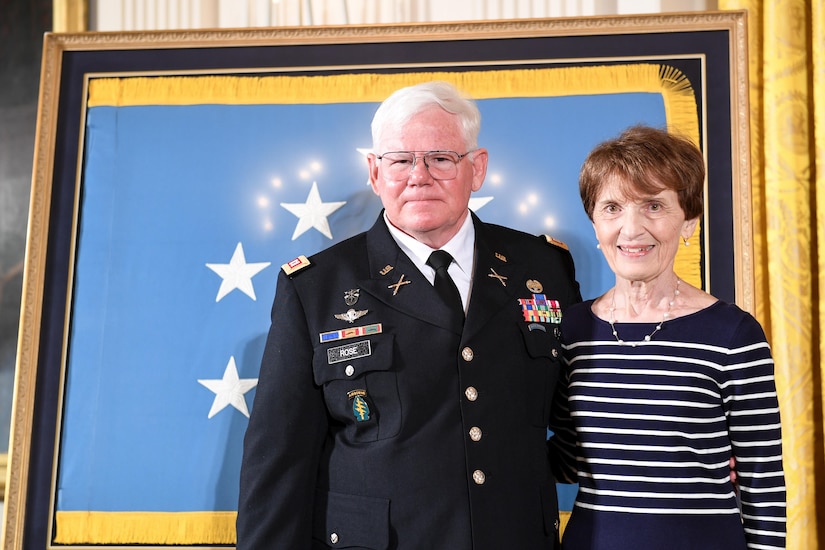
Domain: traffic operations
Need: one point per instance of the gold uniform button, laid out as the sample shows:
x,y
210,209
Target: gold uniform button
x,y
350,370
555,352
475,433
467,354
471,393
333,538
479,477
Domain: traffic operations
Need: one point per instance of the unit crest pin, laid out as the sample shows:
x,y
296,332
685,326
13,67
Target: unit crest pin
x,y
351,296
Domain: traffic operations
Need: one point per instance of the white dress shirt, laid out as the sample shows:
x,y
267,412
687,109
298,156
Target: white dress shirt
x,y
461,247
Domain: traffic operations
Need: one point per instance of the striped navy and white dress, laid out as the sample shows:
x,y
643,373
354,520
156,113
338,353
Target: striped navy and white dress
x,y
652,429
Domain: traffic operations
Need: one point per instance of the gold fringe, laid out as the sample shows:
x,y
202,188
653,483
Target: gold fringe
x,y
354,88
145,528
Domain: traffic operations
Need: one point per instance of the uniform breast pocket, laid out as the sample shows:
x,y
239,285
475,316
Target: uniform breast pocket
x,y
541,342
360,386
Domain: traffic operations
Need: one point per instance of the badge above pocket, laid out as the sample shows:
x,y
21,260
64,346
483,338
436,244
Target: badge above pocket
x,y
352,359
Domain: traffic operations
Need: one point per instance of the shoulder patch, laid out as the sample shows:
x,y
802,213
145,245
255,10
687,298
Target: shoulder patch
x,y
294,266
555,242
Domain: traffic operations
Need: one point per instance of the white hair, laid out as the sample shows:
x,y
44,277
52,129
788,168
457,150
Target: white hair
x,y
403,104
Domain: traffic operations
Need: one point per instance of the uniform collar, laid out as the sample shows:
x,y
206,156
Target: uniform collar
x,y
461,247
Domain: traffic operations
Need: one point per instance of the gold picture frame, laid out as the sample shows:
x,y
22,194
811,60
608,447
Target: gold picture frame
x,y
707,49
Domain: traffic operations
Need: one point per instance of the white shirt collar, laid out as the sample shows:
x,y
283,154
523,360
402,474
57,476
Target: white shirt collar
x,y
461,247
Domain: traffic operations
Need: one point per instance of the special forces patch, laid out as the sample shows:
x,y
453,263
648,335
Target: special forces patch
x,y
360,407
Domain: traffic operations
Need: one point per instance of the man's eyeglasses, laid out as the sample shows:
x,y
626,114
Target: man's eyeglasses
x,y
442,165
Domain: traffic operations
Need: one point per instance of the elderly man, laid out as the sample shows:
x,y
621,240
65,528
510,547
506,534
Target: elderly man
x,y
406,384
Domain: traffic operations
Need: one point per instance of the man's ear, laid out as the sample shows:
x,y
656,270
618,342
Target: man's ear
x,y
372,162
479,168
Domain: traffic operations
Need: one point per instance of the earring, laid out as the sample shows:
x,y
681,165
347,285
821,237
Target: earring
x,y
687,242
599,246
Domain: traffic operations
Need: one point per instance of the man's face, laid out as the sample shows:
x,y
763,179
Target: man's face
x,y
428,209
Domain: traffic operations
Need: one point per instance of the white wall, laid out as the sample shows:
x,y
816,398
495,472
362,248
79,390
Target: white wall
x,y
115,15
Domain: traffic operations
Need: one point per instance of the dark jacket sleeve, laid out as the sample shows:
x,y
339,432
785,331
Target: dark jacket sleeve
x,y
562,445
283,441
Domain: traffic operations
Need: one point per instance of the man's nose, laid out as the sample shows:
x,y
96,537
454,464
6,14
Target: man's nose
x,y
419,171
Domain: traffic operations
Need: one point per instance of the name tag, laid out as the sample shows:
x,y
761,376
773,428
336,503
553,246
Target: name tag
x,y
348,352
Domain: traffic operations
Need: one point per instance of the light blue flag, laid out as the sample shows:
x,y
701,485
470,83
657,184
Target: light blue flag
x,y
186,215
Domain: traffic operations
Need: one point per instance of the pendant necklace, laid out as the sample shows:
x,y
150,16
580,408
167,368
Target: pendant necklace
x,y
647,338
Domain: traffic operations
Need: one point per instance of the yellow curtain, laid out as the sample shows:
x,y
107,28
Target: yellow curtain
x,y
787,96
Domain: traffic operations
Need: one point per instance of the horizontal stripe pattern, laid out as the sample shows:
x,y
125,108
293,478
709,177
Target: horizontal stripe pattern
x,y
653,426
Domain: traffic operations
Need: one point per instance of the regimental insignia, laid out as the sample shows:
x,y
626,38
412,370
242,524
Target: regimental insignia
x,y
294,266
360,407
501,257
349,352
401,282
386,269
351,296
555,242
534,286
353,332
351,315
501,278
539,309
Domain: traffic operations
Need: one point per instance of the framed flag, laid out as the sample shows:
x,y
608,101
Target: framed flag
x,y
176,172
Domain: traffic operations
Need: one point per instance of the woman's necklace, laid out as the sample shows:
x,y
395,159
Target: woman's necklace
x,y
647,338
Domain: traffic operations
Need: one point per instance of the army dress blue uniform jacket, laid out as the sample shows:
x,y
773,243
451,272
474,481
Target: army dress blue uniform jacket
x,y
385,428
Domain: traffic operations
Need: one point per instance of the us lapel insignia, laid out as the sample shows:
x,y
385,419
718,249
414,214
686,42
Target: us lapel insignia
x,y
386,269
501,257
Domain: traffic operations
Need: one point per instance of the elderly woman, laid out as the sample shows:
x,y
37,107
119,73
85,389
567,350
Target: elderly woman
x,y
665,383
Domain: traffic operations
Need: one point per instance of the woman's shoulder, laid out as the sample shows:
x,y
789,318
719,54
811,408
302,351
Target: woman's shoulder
x,y
726,323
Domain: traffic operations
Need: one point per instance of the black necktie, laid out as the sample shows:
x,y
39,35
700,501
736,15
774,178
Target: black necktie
x,y
440,260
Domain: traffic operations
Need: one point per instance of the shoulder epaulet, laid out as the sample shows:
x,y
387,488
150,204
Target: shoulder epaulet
x,y
555,242
293,267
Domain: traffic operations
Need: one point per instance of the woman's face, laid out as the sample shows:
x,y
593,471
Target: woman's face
x,y
639,236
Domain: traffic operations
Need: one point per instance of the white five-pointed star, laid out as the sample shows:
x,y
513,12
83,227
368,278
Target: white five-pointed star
x,y
313,213
237,274
229,390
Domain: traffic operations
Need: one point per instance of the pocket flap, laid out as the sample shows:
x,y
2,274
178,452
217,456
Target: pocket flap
x,y
541,340
352,359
